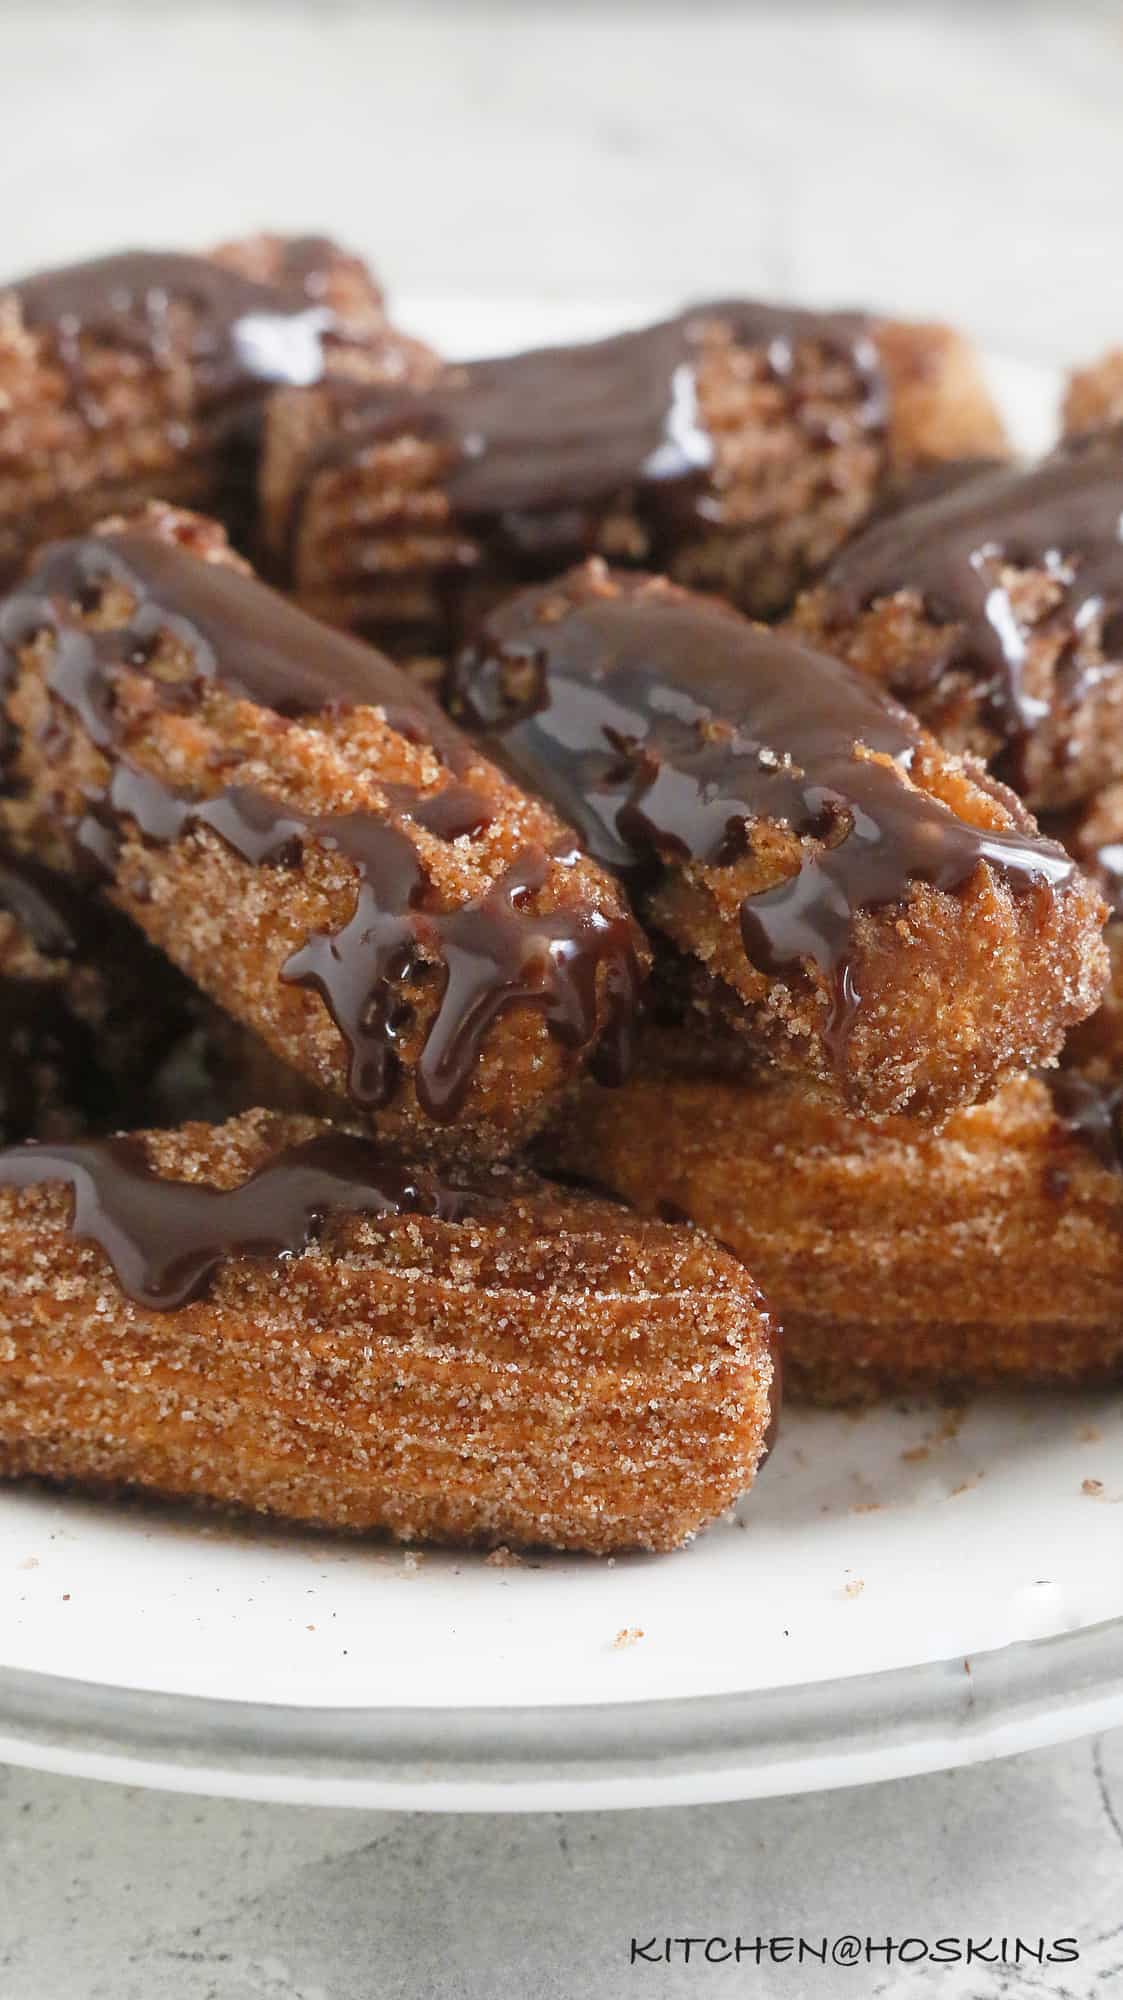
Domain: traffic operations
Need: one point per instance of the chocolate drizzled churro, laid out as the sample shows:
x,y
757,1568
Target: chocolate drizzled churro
x,y
877,912
298,1324
364,855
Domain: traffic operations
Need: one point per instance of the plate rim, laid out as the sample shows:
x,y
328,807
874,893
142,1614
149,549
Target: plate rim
x,y
675,1750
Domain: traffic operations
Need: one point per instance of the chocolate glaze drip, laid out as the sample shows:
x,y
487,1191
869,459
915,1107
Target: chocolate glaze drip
x,y
245,336
665,728
540,445
1102,861
1064,516
491,954
165,1238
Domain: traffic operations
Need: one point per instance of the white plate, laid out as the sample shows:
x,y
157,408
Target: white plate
x,y
902,1592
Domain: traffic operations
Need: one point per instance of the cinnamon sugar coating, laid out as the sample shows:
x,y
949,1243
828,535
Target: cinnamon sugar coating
x,y
545,1369
895,1257
869,911
735,447
417,936
143,375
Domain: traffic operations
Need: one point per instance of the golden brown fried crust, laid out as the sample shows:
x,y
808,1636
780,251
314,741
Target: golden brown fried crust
x,y
1093,399
956,990
137,431
232,926
375,544
895,1258
555,1372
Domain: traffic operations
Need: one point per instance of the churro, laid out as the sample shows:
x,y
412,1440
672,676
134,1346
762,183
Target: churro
x,y
280,1316
871,911
143,375
893,1256
995,612
306,837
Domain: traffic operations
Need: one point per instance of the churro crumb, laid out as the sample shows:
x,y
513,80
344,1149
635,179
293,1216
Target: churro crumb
x,y
628,1635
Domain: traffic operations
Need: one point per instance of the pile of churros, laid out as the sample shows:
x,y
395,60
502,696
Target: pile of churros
x,y
530,888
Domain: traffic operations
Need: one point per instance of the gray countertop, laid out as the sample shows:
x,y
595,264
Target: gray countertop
x,y
124,1895
963,162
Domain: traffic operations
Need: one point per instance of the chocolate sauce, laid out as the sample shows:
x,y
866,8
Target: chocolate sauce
x,y
165,1238
1091,1109
1102,861
488,955
1064,516
245,336
666,727
541,445
236,631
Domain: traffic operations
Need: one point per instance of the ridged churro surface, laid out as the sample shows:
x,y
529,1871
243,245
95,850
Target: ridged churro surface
x,y
473,1357
894,1257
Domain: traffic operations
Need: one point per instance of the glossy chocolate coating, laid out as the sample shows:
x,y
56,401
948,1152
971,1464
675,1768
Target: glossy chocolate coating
x,y
540,445
666,727
244,337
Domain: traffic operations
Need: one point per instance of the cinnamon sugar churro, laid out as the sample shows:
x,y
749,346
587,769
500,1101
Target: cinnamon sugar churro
x,y
306,837
735,446
279,1316
895,1257
867,909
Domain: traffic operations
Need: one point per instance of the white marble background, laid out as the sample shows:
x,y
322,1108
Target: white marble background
x,y
963,161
